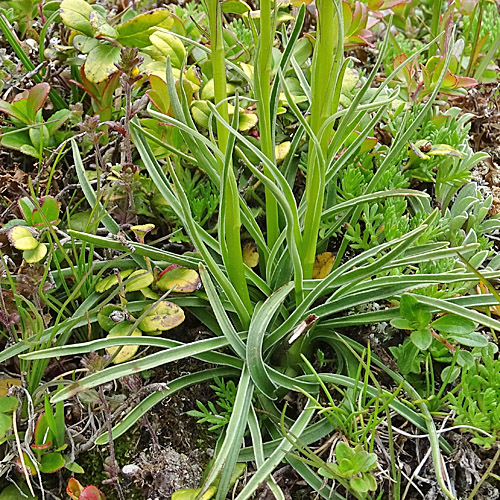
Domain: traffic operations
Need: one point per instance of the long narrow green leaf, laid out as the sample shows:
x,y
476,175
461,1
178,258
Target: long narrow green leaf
x,y
139,249
278,455
253,426
139,365
157,397
235,428
256,333
339,276
224,322
447,306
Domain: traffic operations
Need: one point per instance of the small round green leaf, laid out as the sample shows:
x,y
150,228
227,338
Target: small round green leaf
x,y
51,462
35,255
422,338
111,281
138,280
104,319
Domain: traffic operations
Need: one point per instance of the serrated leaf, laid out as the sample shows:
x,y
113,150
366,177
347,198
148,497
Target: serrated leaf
x,y
22,238
181,279
164,316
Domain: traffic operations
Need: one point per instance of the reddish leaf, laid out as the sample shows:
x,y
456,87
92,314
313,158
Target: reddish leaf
x,y
92,493
74,489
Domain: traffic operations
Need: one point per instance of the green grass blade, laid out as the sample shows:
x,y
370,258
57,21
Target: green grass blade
x,y
256,332
153,399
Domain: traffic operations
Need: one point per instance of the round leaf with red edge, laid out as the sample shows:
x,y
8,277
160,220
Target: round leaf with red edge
x,y
181,279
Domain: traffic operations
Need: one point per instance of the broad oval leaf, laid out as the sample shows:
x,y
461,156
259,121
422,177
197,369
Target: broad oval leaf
x,y
323,264
164,316
51,462
169,46
138,280
474,339
22,238
454,324
111,281
100,63
235,7
422,338
76,14
50,208
127,351
7,404
181,279
136,31
6,384
91,493
250,254
74,488
35,255
105,318
5,424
